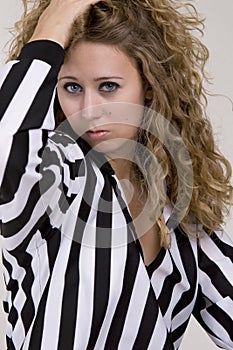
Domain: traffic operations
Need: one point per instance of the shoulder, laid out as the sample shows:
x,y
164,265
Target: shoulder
x,y
213,245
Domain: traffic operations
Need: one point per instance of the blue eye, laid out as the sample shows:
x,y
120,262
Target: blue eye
x,y
72,88
108,86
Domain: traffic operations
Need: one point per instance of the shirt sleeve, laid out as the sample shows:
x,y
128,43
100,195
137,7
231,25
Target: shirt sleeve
x,y
214,305
27,91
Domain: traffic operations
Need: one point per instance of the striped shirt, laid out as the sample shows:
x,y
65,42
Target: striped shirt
x,y
73,267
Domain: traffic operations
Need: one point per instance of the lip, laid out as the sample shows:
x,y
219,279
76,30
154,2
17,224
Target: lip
x,y
97,134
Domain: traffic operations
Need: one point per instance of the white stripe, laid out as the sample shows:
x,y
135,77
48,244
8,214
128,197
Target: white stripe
x,y
182,316
12,242
85,297
217,328
14,208
31,83
136,308
41,270
89,237
118,261
49,120
178,342
18,273
222,344
160,274
159,335
37,248
208,288
55,296
72,150
214,254
179,288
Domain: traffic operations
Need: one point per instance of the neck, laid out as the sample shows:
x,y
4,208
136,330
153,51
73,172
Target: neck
x,y
122,168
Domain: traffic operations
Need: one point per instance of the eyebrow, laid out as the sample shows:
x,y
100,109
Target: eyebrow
x,y
96,79
107,78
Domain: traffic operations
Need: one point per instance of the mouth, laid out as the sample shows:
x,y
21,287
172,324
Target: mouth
x,y
97,134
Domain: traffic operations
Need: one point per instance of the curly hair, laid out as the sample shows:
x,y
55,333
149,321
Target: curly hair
x,y
159,36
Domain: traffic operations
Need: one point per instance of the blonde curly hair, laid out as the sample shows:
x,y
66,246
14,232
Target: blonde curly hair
x,y
159,36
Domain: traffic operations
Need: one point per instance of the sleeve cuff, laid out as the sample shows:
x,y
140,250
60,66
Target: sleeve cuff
x,y
45,50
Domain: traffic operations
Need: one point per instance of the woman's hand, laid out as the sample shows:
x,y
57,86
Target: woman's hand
x,y
55,23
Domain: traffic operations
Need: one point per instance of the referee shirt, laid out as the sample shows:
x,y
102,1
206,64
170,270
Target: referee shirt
x,y
73,267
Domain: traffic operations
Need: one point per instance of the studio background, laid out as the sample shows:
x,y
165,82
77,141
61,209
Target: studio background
x,y
218,38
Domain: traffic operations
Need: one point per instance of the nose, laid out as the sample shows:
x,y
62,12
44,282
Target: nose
x,y
91,106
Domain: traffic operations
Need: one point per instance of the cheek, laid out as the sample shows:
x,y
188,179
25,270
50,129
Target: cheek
x,y
127,132
141,98
135,96
137,93
68,105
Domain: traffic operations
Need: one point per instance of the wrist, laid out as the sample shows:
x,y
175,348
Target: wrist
x,y
46,38
46,50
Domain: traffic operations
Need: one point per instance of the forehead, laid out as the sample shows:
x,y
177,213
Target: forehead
x,y
88,56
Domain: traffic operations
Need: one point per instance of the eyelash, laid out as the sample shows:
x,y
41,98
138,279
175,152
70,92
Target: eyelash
x,y
116,86
68,86
78,88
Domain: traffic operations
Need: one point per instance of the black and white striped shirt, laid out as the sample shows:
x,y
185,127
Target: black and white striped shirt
x,y
60,204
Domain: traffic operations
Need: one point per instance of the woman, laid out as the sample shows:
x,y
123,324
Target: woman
x,y
111,223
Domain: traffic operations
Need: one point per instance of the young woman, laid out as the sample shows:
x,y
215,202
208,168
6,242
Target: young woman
x,y
113,193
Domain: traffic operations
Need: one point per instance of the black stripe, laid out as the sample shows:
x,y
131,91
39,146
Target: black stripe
x,y
36,113
117,324
61,138
13,287
44,139
70,295
5,306
225,248
155,264
199,306
28,310
37,331
102,261
179,331
15,167
222,318
43,225
45,50
53,240
169,342
51,158
70,301
189,265
65,200
76,168
10,344
170,281
53,244
203,302
11,84
15,225
213,271
86,203
148,322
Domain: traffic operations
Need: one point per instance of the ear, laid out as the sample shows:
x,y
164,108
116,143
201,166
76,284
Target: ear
x,y
149,94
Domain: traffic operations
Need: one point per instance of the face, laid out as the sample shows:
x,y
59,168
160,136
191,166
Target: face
x,y
101,93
